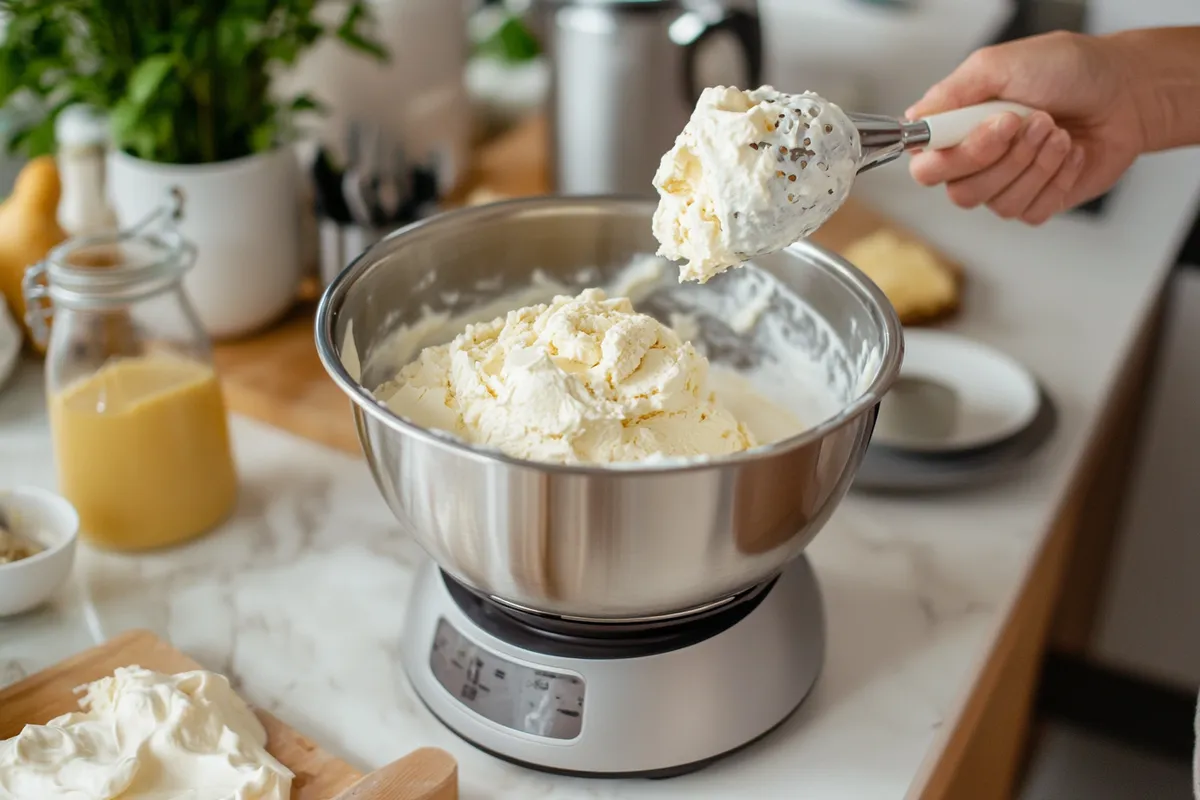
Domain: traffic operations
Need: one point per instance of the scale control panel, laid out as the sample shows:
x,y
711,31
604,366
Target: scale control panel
x,y
532,700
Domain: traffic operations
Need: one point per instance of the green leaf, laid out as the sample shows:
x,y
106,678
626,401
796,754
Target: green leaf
x,y
263,137
511,42
35,140
309,32
142,142
123,118
184,82
148,76
36,135
364,45
351,35
305,102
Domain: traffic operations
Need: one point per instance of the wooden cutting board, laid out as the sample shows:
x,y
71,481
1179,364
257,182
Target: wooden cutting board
x,y
277,378
51,692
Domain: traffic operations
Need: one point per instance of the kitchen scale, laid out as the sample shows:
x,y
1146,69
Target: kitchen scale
x,y
648,697
538,683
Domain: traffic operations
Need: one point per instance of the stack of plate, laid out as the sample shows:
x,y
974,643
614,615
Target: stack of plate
x,y
961,414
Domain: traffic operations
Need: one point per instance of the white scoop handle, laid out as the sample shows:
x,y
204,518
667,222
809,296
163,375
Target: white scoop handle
x,y
950,127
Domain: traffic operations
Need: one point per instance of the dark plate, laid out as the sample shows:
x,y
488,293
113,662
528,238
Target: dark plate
x,y
886,469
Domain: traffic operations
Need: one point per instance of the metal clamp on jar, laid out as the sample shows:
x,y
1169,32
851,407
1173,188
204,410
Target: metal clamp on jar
x,y
137,417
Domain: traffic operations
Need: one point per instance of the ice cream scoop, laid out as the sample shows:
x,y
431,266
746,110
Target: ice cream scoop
x,y
754,171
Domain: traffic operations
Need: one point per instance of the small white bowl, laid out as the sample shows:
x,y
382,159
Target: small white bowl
x,y
53,523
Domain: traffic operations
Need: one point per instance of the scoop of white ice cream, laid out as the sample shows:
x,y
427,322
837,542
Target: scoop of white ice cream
x,y
581,379
751,173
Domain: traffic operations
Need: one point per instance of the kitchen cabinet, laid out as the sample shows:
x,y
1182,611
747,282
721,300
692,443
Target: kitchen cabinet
x,y
1150,612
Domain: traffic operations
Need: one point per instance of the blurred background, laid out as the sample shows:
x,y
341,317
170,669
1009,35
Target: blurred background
x,y
383,116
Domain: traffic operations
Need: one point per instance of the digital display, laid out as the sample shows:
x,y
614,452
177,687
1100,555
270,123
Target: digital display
x,y
537,701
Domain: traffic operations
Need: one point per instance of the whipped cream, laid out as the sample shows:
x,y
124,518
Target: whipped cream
x,y
581,379
142,735
752,172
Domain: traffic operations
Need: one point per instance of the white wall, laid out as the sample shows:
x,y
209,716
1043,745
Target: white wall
x,y
1113,15
869,58
418,97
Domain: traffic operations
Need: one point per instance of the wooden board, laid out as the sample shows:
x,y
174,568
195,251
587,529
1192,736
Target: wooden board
x,y
51,692
277,378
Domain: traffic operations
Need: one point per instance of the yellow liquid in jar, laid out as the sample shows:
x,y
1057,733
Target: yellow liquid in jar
x,y
142,448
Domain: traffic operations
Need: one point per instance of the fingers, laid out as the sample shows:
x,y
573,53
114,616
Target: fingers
x,y
982,76
1025,171
985,145
1012,201
981,187
1053,197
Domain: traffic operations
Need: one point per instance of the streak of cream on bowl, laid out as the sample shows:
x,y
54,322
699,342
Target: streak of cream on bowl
x,y
787,389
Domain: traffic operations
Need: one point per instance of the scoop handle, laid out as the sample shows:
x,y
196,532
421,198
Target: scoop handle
x,y
950,127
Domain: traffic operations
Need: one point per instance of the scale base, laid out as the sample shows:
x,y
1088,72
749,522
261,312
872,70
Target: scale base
x,y
651,708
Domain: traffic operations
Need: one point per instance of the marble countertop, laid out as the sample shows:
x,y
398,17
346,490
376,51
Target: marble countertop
x,y
299,597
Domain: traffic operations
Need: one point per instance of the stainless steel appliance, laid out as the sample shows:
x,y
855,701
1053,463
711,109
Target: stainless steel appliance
x,y
580,617
626,75
616,700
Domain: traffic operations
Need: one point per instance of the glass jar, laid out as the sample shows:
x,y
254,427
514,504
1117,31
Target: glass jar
x,y
138,421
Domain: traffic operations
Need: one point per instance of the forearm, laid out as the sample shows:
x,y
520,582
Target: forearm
x,y
1163,77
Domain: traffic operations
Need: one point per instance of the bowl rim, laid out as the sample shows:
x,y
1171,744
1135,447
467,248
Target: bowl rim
x,y
44,497
892,350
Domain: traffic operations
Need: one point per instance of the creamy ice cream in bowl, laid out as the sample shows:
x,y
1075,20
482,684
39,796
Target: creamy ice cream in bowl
x,y
566,427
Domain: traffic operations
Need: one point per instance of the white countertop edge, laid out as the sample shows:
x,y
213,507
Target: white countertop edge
x,y
1164,240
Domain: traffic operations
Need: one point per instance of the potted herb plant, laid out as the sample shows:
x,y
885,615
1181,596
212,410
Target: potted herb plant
x,y
188,87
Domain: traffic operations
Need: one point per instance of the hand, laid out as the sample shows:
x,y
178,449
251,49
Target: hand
x,y
1085,134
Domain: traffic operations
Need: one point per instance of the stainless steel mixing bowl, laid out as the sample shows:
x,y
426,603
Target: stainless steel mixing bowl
x,y
598,542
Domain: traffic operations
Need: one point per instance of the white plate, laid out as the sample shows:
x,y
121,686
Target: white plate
x,y
955,394
10,343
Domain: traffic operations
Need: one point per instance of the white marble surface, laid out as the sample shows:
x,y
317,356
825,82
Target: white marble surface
x,y
299,597
299,600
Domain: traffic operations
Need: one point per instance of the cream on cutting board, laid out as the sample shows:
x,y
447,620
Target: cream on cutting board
x,y
142,735
751,172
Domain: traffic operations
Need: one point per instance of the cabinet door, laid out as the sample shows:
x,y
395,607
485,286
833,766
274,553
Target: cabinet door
x,y
1150,620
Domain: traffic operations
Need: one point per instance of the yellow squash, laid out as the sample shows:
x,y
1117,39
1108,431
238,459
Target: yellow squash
x,y
28,228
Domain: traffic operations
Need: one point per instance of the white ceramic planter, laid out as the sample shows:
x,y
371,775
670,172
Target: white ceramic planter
x,y
243,217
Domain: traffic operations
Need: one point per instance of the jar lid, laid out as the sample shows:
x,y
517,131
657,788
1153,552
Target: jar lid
x,y
107,270
81,125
